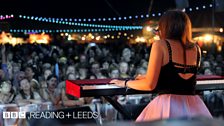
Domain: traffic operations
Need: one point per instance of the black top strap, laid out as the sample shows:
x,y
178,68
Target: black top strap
x,y
169,50
198,56
182,65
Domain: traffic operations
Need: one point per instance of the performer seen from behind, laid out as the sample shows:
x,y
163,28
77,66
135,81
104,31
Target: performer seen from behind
x,y
172,68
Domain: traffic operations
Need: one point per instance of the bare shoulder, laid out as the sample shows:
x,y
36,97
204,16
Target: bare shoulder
x,y
194,47
160,44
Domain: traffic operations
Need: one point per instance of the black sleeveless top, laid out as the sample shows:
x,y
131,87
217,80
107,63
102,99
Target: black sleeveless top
x,y
170,82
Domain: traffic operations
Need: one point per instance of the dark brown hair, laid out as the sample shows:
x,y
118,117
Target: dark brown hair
x,y
175,24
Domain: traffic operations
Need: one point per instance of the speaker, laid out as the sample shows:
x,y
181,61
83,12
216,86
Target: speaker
x,y
67,116
180,4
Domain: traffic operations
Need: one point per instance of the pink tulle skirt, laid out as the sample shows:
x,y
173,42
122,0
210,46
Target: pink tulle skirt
x,y
174,106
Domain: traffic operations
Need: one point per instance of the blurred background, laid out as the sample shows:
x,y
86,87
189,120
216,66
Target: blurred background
x,y
45,42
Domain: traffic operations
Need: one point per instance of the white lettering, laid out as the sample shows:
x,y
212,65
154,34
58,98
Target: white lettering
x,y
22,115
85,115
6,115
47,115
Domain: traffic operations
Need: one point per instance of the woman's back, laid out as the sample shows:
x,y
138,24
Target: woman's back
x,y
177,52
175,76
172,70
176,85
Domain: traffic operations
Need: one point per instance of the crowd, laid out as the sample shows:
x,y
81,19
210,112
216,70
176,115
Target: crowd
x,y
36,73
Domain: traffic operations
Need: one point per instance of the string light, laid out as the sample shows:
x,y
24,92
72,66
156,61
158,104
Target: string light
x,y
142,16
67,30
98,27
6,17
82,24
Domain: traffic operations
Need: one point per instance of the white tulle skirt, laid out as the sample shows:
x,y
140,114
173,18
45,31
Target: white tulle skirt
x,y
174,106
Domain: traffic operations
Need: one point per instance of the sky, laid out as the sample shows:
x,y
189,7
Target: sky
x,y
80,8
96,9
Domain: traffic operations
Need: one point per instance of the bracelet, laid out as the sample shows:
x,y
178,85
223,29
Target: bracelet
x,y
126,87
125,83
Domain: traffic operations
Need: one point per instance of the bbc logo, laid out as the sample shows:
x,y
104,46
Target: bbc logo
x,y
14,115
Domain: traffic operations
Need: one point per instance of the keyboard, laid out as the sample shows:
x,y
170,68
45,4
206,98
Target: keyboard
x,y
102,87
